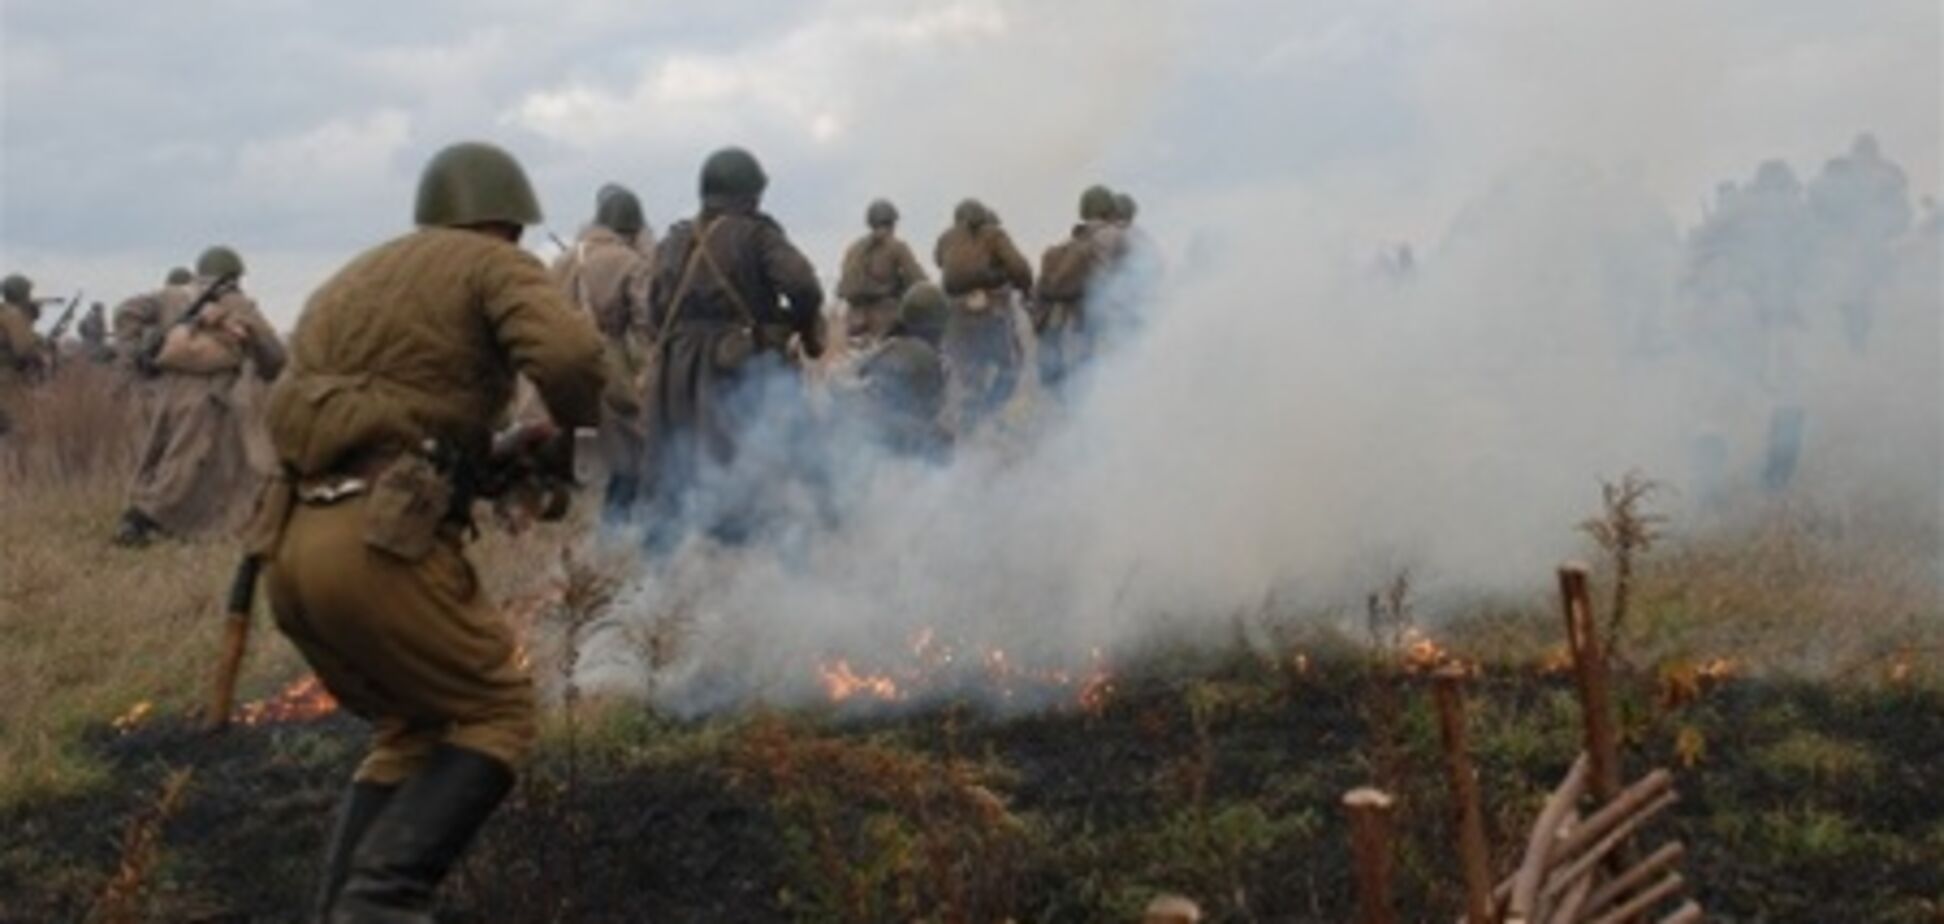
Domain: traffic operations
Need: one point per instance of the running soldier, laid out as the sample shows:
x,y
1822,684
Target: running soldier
x,y
402,364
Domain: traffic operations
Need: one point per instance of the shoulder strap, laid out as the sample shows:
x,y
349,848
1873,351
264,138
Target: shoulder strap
x,y
699,247
722,279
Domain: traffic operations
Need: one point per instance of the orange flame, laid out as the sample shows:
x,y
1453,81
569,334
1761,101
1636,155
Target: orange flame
x,y
135,715
304,699
843,683
931,669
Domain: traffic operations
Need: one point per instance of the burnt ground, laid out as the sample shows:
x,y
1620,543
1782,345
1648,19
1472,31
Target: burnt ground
x,y
1803,803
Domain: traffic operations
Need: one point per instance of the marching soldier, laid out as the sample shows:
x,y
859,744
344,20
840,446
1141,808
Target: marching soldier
x,y
1069,272
983,275
878,269
730,296
94,335
902,382
141,317
22,354
195,467
401,366
607,275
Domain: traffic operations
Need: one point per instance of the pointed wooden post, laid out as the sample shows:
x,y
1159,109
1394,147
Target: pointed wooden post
x,y
1370,846
1590,674
1473,854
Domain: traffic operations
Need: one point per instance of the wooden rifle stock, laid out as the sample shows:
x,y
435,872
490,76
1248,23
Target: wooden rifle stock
x,y
236,640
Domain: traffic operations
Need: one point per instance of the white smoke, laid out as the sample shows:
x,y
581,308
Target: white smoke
x,y
1286,423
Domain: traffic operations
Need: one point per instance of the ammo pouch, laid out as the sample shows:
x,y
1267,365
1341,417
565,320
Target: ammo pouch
x,y
409,505
733,348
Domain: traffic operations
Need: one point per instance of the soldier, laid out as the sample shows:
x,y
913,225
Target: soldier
x,y
607,275
1069,285
902,382
730,292
878,269
402,363
982,274
644,238
22,354
94,335
195,464
139,319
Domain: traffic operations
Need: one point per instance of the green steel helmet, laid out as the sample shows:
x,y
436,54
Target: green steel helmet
x,y
180,276
472,183
923,311
606,190
1125,207
219,261
881,214
733,173
619,211
17,289
1097,203
971,213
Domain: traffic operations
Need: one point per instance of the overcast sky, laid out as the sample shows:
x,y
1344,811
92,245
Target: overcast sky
x,y
135,133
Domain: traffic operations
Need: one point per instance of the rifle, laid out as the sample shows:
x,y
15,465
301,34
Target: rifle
x,y
151,349
236,639
60,327
55,333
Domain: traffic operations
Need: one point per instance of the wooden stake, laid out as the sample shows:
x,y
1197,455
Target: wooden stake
x,y
1642,796
1525,903
1636,877
1448,686
1590,672
1638,905
1370,845
1689,913
1610,845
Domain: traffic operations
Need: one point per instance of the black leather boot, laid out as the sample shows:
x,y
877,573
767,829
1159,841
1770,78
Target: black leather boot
x,y
360,806
409,849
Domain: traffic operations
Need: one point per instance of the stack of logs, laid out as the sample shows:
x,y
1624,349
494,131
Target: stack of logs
x,y
1577,869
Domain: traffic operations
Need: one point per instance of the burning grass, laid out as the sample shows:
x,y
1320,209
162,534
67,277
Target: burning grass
x,y
905,795
1213,776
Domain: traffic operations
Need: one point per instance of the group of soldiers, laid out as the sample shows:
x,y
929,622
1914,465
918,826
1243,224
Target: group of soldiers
x,y
191,357
387,417
715,326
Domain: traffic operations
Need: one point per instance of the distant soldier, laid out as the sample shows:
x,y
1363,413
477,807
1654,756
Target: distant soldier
x,y
878,269
194,468
94,335
401,366
22,352
1070,285
731,294
607,275
902,382
644,238
140,320
22,355
984,276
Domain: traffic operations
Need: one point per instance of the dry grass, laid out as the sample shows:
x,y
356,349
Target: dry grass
x,y
94,630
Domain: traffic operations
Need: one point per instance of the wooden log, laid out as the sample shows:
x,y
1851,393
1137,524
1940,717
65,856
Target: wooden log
x,y
1473,854
1639,904
1526,900
1630,802
1590,674
1636,876
1567,911
1370,846
1689,913
1583,864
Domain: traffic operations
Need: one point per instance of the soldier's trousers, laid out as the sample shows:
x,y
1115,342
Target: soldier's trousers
x,y
414,647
